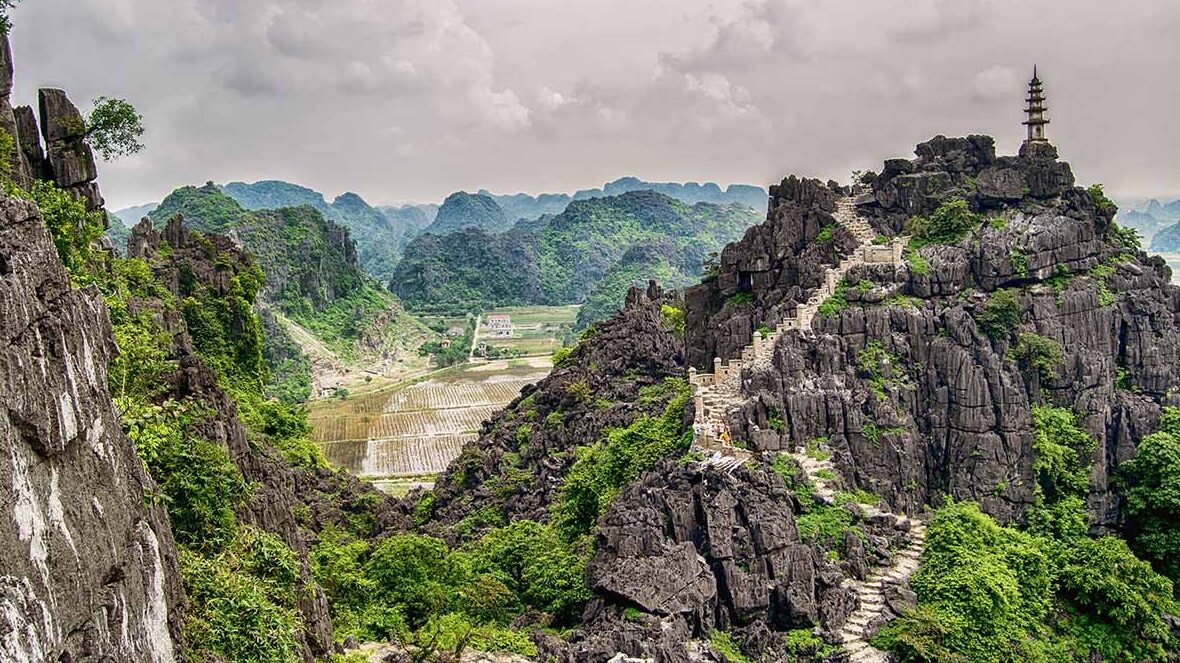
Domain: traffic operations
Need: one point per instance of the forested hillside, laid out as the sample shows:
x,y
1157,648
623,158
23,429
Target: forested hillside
x,y
380,236
564,259
312,274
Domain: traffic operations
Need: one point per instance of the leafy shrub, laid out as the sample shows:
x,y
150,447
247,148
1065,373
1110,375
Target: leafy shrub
x,y
602,469
1063,451
1019,263
918,263
242,601
674,318
75,230
198,480
827,234
1040,353
740,299
1001,314
1126,238
1098,197
948,224
561,357
833,305
724,644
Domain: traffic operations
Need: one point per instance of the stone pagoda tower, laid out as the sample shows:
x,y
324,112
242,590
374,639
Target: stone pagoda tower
x,y
1036,111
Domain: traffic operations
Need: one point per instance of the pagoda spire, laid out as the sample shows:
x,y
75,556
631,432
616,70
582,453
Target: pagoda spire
x,y
1035,111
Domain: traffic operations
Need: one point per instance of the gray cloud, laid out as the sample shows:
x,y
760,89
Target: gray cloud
x,y
411,99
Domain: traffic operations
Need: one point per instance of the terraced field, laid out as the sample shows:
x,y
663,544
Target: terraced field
x,y
405,434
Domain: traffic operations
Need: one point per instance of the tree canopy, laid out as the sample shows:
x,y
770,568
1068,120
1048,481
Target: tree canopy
x,y
114,127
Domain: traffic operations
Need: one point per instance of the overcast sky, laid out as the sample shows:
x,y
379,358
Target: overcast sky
x,y
408,100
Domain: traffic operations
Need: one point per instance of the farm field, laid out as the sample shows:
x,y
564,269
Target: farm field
x,y
539,330
400,436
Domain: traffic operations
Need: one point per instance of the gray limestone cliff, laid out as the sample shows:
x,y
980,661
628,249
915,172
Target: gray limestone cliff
x,y
88,568
915,395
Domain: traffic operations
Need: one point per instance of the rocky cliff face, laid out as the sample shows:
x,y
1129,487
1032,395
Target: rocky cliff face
x,y
180,258
88,568
767,273
691,548
915,395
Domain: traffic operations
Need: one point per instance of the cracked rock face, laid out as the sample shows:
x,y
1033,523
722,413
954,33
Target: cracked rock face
x,y
88,568
948,409
696,549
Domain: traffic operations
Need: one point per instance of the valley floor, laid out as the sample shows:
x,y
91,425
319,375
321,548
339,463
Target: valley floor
x,y
401,436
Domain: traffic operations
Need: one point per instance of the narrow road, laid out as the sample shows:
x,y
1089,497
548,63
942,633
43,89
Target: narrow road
x,y
475,336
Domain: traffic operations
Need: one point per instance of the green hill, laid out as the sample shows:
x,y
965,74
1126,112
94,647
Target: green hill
x,y
565,259
312,273
464,210
380,236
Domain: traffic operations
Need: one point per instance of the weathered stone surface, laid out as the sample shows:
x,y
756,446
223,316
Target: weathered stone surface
x,y
951,413
29,138
87,568
70,160
767,273
18,167
697,549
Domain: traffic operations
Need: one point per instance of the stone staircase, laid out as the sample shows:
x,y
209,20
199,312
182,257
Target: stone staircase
x,y
715,393
871,591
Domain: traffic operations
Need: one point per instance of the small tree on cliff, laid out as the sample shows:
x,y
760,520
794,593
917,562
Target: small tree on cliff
x,y
5,7
114,128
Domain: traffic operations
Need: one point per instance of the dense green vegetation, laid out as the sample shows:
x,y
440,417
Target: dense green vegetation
x,y
465,210
604,468
415,589
1153,496
310,263
593,251
242,583
640,264
381,235
1048,593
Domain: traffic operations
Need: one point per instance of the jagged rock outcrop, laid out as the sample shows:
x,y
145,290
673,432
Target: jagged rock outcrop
x,y
633,350
18,166
88,567
690,549
767,273
915,396
69,160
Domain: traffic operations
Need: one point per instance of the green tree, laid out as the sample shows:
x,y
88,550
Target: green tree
x,y
1153,496
114,128
5,7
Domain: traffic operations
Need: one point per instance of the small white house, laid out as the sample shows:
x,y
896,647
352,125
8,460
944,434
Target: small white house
x,y
499,325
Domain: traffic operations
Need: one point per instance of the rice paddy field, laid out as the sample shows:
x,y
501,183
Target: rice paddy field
x,y
412,431
400,435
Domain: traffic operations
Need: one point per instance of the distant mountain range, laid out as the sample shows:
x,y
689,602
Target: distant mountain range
x,y
380,236
592,252
383,233
1152,218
